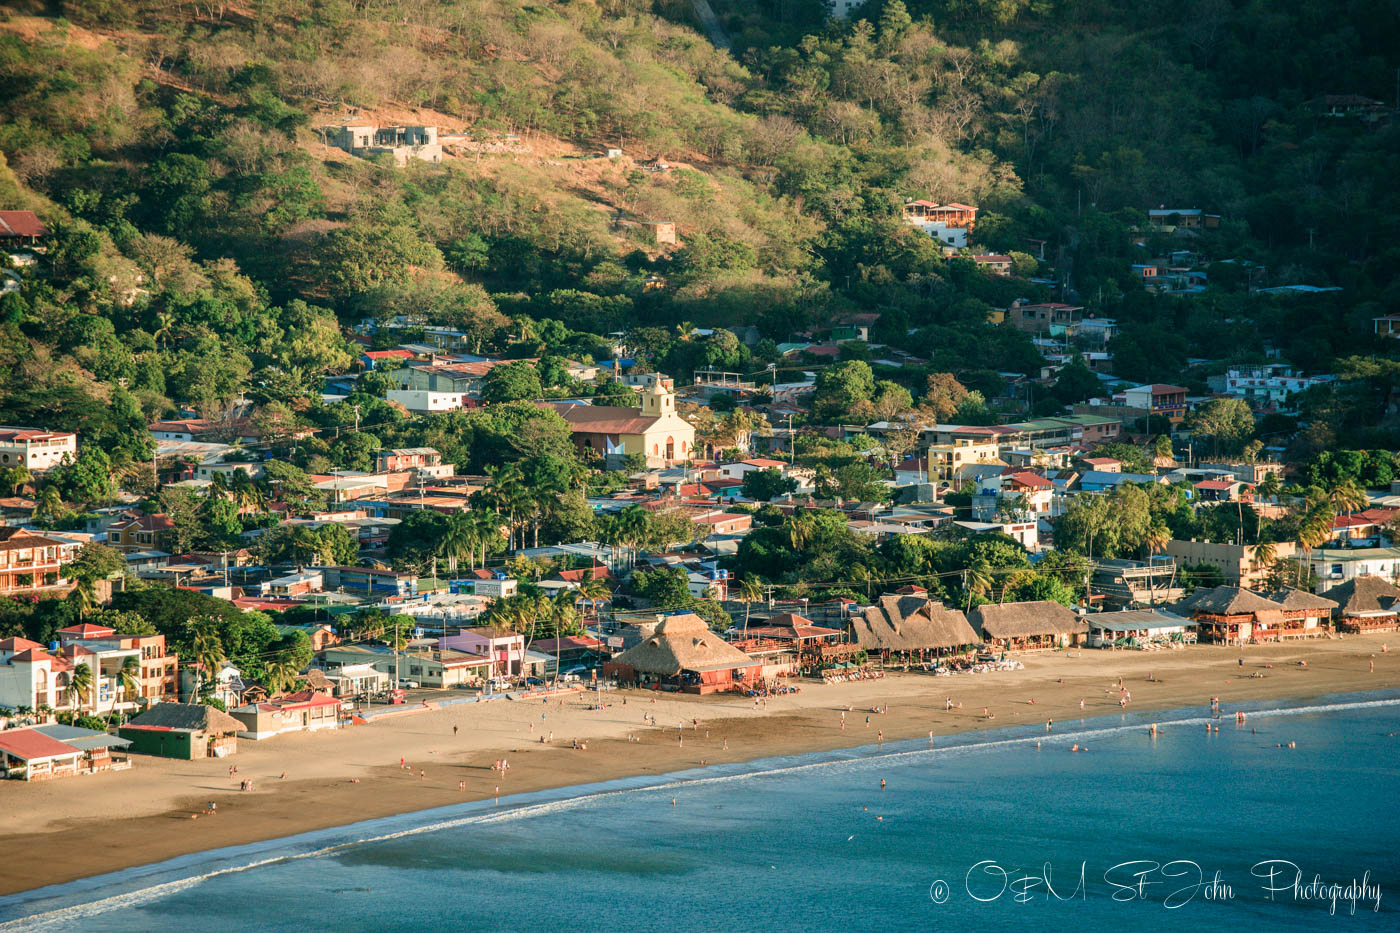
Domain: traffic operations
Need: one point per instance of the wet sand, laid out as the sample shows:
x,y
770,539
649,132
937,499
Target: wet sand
x,y
94,824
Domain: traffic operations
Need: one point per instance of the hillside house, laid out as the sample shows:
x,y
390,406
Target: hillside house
x,y
401,142
20,228
35,449
994,263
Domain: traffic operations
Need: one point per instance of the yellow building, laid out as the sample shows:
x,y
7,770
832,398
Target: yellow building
x,y
655,431
945,461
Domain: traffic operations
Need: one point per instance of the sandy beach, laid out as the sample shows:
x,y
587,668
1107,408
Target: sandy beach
x,y
95,824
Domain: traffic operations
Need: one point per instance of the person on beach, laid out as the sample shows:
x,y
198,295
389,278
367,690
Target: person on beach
x,y
454,730
1049,724
1081,702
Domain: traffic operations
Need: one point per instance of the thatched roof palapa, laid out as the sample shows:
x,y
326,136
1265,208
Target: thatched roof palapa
x,y
683,643
911,623
1027,619
194,716
1294,599
1228,601
1361,595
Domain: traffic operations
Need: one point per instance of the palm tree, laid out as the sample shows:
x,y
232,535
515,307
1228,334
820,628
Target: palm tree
x,y
978,580
164,322
282,672
594,589
15,478
459,539
83,596
207,650
1269,487
1157,538
1348,496
128,680
80,686
50,504
750,592
634,524
1313,531
1265,553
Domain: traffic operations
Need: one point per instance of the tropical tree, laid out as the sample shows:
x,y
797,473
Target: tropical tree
x,y
594,589
1269,487
1157,538
50,506
80,685
750,591
977,579
206,649
1347,496
128,680
634,524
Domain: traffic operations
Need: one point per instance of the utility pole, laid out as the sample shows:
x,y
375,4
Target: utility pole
x,y
357,418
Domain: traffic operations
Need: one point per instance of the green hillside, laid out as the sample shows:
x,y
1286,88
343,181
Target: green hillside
x,y
206,242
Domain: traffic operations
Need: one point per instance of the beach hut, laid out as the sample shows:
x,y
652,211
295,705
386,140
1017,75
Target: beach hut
x,y
1039,623
684,654
1366,604
1232,615
1139,628
1305,615
912,625
183,730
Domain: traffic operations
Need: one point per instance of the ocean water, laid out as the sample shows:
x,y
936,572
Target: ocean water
x,y
1192,831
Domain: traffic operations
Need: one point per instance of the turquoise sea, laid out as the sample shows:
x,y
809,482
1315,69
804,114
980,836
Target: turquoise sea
x,y
1192,831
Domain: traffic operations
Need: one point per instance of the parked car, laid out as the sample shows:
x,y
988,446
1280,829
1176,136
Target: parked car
x,y
409,684
534,682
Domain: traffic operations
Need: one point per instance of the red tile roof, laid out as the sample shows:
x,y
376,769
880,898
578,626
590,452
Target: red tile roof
x,y
18,644
87,630
31,655
29,745
1217,484
1034,480
21,223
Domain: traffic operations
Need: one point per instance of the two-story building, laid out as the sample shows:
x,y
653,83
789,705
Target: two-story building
x,y
1157,399
138,533
35,449
31,562
158,677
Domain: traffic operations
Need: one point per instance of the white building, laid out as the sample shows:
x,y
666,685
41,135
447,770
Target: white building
x,y
1334,567
35,449
1267,386
420,401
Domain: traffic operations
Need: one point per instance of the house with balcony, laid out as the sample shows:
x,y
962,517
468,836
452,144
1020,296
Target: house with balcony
x,y
35,449
946,462
31,563
505,649
949,224
1157,399
158,677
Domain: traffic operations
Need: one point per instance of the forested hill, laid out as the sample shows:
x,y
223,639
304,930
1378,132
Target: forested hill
x,y
207,242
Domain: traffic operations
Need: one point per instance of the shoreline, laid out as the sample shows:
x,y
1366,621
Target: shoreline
x,y
353,775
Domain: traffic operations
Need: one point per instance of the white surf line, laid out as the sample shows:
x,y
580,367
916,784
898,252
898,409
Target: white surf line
x,y
64,915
